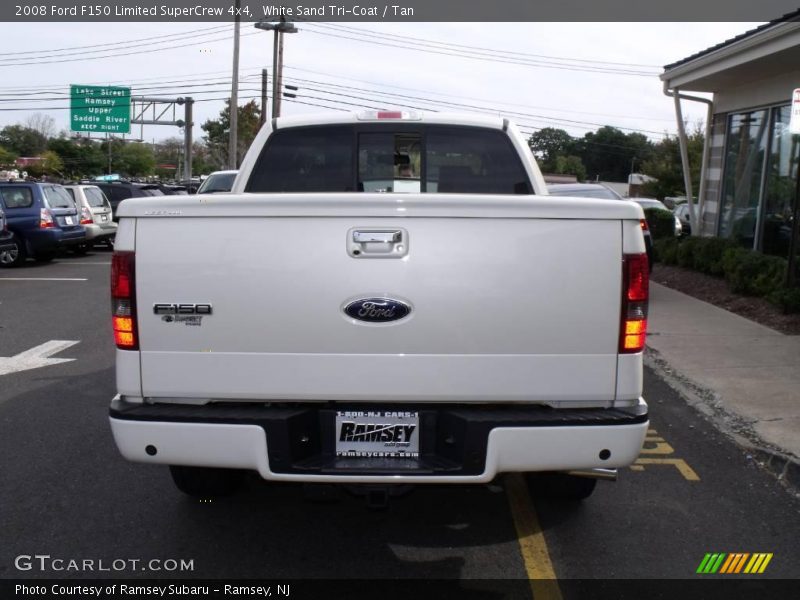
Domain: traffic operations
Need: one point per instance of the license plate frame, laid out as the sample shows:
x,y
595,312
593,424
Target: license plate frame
x,y
68,220
377,434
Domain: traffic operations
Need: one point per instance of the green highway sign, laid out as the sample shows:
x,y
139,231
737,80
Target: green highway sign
x,y
100,108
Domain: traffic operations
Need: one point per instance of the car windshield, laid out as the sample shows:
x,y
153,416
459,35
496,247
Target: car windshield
x,y
57,197
217,182
95,197
587,192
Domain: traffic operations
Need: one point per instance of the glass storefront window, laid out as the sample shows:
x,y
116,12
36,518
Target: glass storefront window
x,y
780,188
744,166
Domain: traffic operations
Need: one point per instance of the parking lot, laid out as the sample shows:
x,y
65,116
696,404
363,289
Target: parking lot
x,y
67,492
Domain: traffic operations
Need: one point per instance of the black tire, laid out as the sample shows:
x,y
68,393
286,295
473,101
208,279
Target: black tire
x,y
110,243
81,249
206,482
562,487
16,256
44,256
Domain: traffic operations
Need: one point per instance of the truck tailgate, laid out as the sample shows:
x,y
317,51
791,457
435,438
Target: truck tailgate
x,y
502,308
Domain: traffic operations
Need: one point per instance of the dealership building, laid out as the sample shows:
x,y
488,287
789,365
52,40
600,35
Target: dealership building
x,y
748,182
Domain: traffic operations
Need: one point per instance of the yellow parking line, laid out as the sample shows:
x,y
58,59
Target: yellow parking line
x,y
532,545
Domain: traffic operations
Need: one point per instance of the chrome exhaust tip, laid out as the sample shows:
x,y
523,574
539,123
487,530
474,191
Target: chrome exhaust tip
x,y
606,474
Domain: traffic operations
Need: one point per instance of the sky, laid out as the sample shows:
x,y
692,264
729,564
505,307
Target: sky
x,y
574,76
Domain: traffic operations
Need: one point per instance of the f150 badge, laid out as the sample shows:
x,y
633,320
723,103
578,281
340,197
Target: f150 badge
x,y
188,314
377,310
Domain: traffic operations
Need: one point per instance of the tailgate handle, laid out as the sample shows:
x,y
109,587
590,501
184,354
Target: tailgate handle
x,y
383,237
364,242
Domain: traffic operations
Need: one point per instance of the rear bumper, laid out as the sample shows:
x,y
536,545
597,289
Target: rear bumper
x,y
465,444
50,239
96,232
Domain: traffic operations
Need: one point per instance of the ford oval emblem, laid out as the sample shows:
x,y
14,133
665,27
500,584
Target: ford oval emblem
x,y
377,310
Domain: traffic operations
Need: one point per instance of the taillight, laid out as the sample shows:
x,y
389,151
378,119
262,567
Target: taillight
x,y
123,300
643,223
86,216
46,219
635,286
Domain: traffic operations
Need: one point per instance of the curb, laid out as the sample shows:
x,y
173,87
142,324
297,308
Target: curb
x,y
784,467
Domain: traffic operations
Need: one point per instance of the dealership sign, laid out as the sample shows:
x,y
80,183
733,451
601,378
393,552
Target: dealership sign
x,y
102,109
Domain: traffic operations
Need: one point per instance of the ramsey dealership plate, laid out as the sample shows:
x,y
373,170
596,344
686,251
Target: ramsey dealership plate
x,y
381,433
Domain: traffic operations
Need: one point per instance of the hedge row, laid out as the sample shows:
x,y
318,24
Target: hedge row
x,y
747,272
660,222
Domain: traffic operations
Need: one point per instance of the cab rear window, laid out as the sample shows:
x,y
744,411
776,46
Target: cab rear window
x,y
389,158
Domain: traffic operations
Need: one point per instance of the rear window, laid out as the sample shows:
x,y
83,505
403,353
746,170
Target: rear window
x,y
57,197
95,197
151,192
17,197
389,158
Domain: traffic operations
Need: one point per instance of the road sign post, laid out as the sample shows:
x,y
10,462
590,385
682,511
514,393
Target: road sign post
x,y
100,109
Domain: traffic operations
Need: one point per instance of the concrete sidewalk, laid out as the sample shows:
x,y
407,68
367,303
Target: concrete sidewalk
x,y
744,375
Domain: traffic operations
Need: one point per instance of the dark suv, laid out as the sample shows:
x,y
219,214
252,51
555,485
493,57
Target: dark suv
x,y
117,191
42,218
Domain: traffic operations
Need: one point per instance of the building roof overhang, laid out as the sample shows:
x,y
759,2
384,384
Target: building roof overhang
x,y
762,53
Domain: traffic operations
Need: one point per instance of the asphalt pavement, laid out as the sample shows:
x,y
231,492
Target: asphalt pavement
x,y
67,492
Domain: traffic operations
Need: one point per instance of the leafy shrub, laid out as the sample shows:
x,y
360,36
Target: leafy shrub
x,y
666,251
708,253
756,274
686,251
660,222
787,298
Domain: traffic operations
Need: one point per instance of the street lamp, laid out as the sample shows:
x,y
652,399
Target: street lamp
x,y
279,28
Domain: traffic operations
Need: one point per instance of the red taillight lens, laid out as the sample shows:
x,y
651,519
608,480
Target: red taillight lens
x,y
390,114
86,216
46,219
644,225
123,300
636,284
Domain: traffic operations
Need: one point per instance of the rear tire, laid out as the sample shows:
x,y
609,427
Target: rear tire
x,y
562,487
81,249
14,257
206,482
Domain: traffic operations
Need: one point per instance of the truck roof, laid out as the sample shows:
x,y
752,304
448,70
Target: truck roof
x,y
421,117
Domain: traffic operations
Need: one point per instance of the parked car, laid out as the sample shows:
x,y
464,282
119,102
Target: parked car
x,y
173,190
117,191
42,218
646,203
5,235
682,213
97,216
218,181
598,190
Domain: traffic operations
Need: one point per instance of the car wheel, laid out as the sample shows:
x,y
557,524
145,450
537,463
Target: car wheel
x,y
110,243
81,249
206,482
562,487
44,256
15,256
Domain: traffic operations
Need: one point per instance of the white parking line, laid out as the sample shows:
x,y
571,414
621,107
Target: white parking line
x,y
43,279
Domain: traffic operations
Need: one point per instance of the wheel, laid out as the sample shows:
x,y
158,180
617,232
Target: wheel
x,y
206,482
562,487
15,256
45,256
110,242
81,249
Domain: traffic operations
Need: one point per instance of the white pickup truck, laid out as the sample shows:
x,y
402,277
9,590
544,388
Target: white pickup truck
x,y
384,298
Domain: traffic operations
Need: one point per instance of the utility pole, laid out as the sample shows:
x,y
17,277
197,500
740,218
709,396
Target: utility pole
x,y
187,138
263,96
277,58
233,141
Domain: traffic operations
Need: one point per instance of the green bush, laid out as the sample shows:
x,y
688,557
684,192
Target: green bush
x,y
660,222
708,255
757,274
686,251
666,251
787,298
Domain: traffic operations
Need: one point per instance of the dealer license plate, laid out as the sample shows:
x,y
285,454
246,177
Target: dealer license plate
x,y
370,433
104,218
69,220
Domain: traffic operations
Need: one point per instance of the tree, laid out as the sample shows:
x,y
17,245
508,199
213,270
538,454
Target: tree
x,y
7,157
43,124
81,157
666,166
549,143
50,164
609,153
23,141
218,132
569,165
133,159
